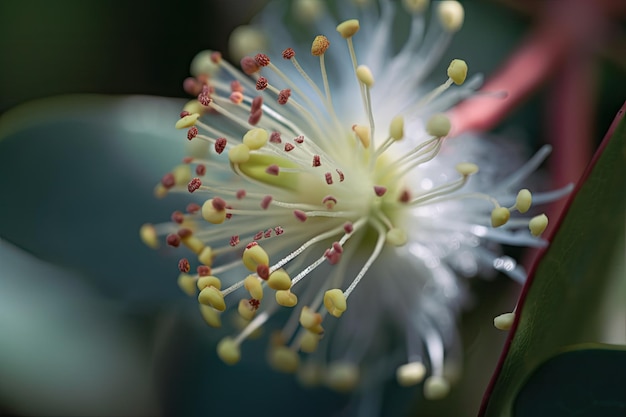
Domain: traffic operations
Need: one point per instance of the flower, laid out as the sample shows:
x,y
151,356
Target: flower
x,y
330,188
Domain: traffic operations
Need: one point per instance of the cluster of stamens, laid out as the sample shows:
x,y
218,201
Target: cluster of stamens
x,y
305,184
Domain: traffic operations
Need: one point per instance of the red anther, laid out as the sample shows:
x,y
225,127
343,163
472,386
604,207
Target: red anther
x,y
337,247
192,86
275,137
173,240
329,201
234,240
216,57
262,60
192,132
299,139
229,215
261,83
193,208
203,97
220,145
267,234
258,235
240,194
178,217
332,256
300,215
249,65
251,244
257,103
316,161
236,97
184,113
218,203
265,203
255,117
254,303
184,232
341,176
272,169
183,265
263,271
168,180
288,147
279,230
203,270
405,196
283,96
329,178
187,159
348,228
236,87
289,53
203,79
380,190
200,169
194,184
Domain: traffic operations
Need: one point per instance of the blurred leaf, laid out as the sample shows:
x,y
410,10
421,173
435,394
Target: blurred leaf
x,y
559,304
588,381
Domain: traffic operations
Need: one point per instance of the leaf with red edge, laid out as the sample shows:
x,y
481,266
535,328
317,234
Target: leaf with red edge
x,y
560,302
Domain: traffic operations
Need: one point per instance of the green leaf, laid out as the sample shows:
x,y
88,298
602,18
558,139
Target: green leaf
x,y
560,303
587,381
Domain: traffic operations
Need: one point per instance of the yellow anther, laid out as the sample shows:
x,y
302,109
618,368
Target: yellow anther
x,y
148,236
246,310
466,168
193,106
451,15
342,376
279,280
499,216
309,318
363,133
284,359
504,321
211,214
209,281
309,342
194,244
210,316
415,6
213,297
228,351
523,201
308,10
348,28
254,256
182,175
396,237
310,374
364,74
436,387
438,125
538,224
335,302
410,374
457,71
239,154
206,256
255,138
254,287
187,283
320,45
245,40
202,64
396,128
187,121
160,191
286,298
